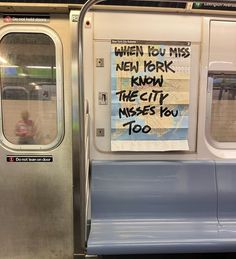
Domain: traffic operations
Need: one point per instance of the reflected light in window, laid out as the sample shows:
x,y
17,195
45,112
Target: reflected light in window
x,y
22,74
3,61
41,67
6,66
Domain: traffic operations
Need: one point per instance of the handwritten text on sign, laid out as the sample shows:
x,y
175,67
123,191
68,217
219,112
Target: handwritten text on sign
x,y
150,95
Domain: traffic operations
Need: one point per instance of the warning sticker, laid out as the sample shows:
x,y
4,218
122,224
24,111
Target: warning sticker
x,y
30,159
26,18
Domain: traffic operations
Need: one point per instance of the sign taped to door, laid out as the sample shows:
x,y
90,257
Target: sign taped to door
x,y
150,95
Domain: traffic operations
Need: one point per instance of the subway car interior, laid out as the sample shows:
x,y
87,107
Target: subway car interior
x,y
118,128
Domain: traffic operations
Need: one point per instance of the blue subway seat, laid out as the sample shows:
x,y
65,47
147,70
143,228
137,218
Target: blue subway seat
x,y
156,207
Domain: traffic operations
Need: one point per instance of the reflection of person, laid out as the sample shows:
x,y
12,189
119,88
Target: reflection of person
x,y
25,129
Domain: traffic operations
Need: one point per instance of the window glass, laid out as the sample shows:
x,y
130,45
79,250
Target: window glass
x,y
28,88
223,110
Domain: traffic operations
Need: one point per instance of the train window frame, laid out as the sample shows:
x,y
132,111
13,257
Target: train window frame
x,y
209,69
39,29
222,145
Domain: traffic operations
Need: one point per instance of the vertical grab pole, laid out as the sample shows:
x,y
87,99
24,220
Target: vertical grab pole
x,y
78,134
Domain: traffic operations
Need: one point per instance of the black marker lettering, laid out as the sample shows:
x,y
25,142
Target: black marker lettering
x,y
152,51
137,128
146,129
130,124
166,112
128,66
180,52
158,66
129,51
127,97
147,80
162,98
123,112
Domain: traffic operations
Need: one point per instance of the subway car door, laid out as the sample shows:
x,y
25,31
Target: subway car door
x,y
36,205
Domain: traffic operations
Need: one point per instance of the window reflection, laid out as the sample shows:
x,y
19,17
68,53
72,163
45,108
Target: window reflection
x,y
28,86
25,129
223,111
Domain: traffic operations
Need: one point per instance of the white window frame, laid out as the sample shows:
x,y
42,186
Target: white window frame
x,y
211,140
214,143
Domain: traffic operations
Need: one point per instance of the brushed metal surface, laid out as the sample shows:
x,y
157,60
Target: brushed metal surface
x,y
36,209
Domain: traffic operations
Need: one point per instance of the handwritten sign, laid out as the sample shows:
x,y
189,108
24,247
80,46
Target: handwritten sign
x,y
150,95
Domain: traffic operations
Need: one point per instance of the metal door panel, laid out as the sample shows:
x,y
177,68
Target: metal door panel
x,y
36,209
